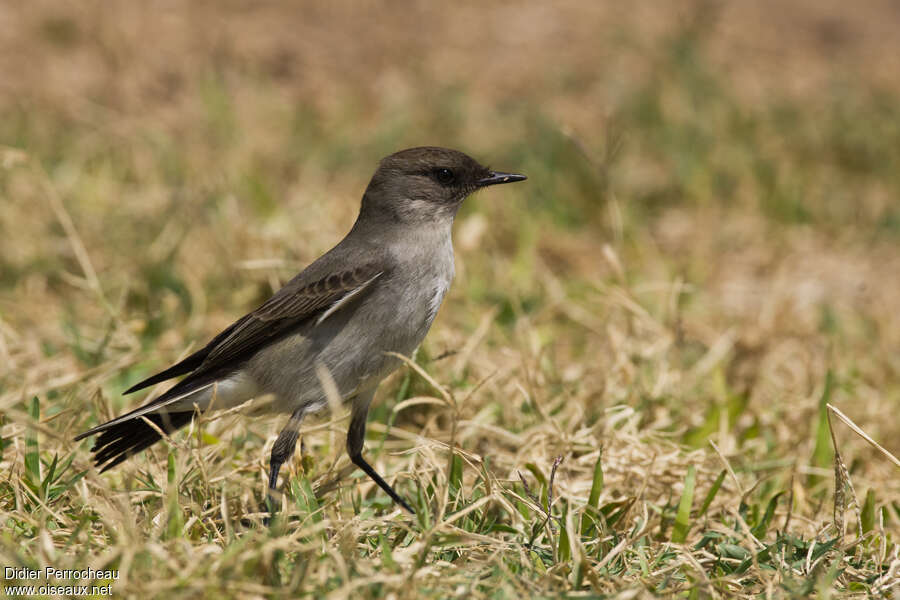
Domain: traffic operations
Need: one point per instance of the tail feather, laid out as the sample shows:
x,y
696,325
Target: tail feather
x,y
127,435
123,440
189,364
186,366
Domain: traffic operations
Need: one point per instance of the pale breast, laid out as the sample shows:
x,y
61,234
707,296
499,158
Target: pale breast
x,y
438,291
429,272
441,279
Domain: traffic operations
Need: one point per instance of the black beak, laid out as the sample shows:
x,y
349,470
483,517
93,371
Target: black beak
x,y
496,177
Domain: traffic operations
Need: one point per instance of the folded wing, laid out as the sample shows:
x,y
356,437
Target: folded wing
x,y
297,303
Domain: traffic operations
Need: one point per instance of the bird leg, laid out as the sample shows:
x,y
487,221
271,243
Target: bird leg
x,y
282,451
356,435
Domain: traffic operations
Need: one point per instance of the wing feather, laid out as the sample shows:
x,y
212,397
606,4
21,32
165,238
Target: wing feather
x,y
293,305
287,310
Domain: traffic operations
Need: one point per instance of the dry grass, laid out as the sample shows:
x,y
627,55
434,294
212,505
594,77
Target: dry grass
x,y
646,335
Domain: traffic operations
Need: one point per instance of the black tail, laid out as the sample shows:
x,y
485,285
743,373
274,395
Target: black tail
x,y
126,439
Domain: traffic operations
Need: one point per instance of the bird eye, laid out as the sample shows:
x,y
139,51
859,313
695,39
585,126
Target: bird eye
x,y
444,176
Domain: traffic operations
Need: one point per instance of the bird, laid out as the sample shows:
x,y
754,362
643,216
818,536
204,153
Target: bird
x,y
350,314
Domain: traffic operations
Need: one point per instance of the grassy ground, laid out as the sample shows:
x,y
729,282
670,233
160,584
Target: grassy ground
x,y
625,391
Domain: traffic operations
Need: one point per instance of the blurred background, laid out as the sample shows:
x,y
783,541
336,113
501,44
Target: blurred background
x,y
707,248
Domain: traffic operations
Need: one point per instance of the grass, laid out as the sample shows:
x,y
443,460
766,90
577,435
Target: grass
x,y
627,389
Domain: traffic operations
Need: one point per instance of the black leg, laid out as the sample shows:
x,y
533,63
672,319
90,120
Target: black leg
x,y
282,451
356,436
362,464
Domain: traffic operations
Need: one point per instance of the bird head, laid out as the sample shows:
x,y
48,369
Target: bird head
x,y
426,184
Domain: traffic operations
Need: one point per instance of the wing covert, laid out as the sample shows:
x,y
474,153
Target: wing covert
x,y
289,308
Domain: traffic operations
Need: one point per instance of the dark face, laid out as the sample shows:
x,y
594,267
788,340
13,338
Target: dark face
x,y
427,184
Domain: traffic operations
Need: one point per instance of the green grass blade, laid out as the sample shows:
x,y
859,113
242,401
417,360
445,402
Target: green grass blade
x,y
867,516
564,551
306,498
823,453
683,518
597,482
760,530
175,518
711,494
4,441
32,450
48,478
593,504
456,472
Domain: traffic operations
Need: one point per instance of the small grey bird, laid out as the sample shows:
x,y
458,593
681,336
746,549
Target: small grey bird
x,y
375,293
